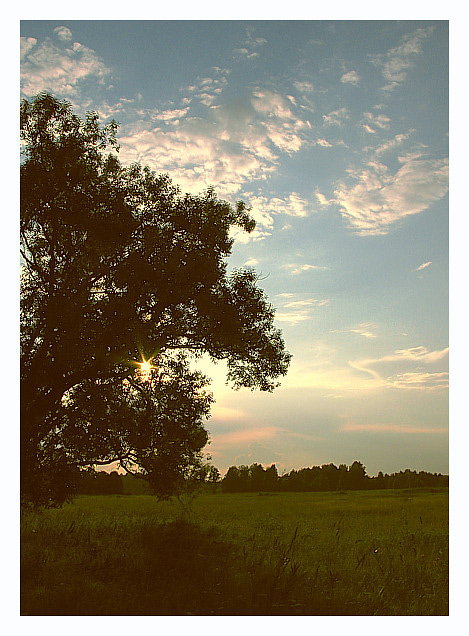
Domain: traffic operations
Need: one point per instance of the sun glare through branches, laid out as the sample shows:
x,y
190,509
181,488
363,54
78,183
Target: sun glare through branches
x,y
145,369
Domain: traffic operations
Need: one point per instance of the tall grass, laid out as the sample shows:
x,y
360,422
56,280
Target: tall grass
x,y
361,553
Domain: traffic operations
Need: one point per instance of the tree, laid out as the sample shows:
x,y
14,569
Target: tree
x,y
271,478
256,477
231,481
356,477
120,268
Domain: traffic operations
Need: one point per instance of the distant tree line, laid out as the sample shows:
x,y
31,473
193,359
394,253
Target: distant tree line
x,y
256,478
327,477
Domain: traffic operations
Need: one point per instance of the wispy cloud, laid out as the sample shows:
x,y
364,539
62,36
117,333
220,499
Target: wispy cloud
x,y
420,380
249,48
365,329
420,353
292,317
303,86
295,309
378,198
374,122
336,117
391,144
397,61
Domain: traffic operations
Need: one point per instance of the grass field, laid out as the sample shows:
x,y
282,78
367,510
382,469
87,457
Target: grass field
x,y
355,553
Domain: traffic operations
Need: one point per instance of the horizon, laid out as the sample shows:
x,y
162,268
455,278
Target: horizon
x,y
326,129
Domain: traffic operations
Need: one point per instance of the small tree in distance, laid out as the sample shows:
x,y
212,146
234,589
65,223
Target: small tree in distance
x,y
120,268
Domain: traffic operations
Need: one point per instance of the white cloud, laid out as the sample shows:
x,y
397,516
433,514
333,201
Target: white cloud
x,y
63,33
170,115
323,142
272,103
396,62
26,44
378,198
243,237
251,262
59,68
351,77
226,145
322,200
264,209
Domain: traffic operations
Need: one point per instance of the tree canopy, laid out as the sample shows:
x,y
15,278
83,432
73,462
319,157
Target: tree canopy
x,y
119,267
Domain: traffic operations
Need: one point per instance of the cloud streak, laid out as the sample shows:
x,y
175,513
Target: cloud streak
x,y
393,428
295,310
413,379
423,266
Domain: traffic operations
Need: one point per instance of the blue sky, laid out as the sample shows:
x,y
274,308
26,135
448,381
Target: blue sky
x,y
336,133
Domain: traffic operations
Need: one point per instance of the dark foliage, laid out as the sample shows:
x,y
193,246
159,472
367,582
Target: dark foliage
x,y
100,483
119,265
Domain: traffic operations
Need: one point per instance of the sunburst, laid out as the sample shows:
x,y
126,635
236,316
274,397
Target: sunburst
x,y
145,369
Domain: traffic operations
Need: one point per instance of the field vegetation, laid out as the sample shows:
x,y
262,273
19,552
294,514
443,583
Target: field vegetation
x,y
342,553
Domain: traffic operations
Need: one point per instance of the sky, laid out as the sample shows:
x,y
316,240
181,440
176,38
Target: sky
x,y
336,134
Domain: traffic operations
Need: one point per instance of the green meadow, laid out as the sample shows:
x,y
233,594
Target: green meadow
x,y
353,553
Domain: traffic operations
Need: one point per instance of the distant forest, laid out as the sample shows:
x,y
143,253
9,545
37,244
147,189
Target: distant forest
x,y
256,478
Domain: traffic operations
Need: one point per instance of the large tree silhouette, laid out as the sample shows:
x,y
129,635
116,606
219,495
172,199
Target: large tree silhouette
x,y
120,267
